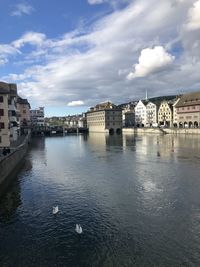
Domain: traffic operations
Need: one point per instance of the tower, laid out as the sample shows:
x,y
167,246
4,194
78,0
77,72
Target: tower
x,y
146,95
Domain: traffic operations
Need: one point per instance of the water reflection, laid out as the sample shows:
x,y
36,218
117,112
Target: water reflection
x,y
136,197
10,203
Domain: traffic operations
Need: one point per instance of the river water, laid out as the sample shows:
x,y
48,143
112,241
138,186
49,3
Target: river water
x,y
137,199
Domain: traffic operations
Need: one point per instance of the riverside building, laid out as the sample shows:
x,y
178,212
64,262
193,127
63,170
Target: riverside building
x,y
165,114
23,108
105,117
141,113
37,116
152,113
13,113
4,122
188,110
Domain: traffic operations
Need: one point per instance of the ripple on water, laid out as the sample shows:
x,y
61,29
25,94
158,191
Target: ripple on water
x,y
135,208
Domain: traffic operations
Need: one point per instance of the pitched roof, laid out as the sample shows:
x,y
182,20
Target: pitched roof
x,y
189,100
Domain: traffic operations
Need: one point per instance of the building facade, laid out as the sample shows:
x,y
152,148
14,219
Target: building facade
x,y
107,120
129,118
151,114
165,114
37,117
175,115
140,113
188,110
4,121
128,114
23,108
13,113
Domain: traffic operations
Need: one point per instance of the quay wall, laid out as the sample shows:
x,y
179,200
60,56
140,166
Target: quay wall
x,y
174,131
142,131
182,131
9,164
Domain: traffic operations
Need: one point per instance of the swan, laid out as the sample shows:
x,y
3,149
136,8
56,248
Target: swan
x,y
78,229
55,209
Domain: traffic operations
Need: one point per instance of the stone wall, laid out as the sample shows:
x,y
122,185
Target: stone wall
x,y
182,131
160,131
10,163
142,130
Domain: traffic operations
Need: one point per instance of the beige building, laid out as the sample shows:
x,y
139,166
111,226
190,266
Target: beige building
x,y
165,114
105,120
23,108
4,121
188,110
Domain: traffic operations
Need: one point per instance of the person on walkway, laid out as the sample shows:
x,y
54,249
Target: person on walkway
x,y
4,151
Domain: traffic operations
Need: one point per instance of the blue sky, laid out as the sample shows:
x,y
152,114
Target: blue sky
x,y
70,55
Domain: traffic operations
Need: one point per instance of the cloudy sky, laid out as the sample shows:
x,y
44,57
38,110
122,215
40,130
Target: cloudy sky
x,y
70,55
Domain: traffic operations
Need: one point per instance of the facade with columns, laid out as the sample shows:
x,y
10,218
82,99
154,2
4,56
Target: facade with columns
x,y
188,110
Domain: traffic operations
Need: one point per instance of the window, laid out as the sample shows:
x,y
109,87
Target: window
x,y
2,125
24,111
1,112
1,99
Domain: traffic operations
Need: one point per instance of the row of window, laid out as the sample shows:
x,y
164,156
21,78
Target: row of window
x,y
188,108
188,117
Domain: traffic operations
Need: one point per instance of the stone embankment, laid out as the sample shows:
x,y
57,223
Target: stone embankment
x,y
10,162
152,130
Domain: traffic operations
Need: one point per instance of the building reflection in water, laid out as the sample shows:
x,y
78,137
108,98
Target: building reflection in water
x,y
102,141
12,199
10,202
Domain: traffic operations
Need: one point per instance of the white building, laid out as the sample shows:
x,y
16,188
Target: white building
x,y
151,114
140,113
37,116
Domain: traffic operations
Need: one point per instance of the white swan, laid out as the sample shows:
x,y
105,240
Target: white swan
x,y
78,229
55,209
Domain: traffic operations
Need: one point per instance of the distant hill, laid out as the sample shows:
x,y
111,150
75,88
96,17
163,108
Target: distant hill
x,y
157,99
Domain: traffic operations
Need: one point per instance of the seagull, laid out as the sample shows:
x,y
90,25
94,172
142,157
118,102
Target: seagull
x,y
55,209
78,229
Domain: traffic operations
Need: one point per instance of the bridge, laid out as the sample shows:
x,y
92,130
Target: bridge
x,y
56,130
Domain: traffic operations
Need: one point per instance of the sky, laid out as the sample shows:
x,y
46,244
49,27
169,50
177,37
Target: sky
x,y
69,55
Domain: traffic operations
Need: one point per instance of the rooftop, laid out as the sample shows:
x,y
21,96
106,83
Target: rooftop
x,y
189,100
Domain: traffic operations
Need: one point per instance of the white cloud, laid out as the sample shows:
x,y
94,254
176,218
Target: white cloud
x,y
151,60
113,3
22,8
6,51
75,103
32,38
194,17
94,2
3,61
92,64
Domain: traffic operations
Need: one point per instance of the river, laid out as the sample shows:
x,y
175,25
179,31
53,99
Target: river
x,y
137,199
